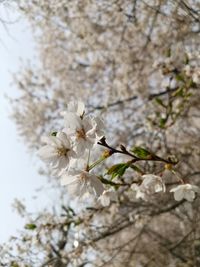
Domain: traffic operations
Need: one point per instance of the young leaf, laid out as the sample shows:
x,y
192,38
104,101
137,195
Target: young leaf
x,y
118,170
141,152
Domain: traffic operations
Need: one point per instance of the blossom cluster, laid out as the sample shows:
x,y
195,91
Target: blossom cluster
x,y
68,153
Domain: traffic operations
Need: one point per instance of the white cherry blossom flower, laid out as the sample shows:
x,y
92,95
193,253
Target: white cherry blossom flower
x,y
185,191
152,184
80,182
81,130
107,197
57,152
77,107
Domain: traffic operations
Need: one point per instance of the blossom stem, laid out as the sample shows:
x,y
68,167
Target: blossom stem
x,y
123,150
96,163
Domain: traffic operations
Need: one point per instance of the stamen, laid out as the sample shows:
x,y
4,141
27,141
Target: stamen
x,y
62,151
81,134
83,177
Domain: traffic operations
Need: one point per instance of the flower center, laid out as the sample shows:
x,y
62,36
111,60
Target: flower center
x,y
62,151
83,177
80,134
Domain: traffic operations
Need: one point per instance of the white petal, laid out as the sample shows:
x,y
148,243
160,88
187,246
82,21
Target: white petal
x,y
80,147
195,188
47,152
99,126
77,188
63,162
89,143
87,123
54,162
74,172
158,188
67,179
96,184
76,166
72,121
189,195
178,195
50,140
80,108
76,107
64,139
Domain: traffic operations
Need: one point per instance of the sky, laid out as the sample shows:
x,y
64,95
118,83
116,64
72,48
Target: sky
x,y
19,177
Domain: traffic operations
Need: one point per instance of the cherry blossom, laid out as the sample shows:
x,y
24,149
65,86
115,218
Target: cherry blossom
x,y
99,126
57,152
82,131
80,182
185,191
103,52
152,184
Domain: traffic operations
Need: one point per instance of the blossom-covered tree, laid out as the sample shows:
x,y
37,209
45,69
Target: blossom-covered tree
x,y
126,162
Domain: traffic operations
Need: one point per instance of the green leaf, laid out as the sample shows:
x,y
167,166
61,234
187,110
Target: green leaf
x,y
118,170
141,153
160,102
30,226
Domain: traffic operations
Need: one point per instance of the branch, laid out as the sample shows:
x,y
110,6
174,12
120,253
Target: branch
x,y
151,157
120,102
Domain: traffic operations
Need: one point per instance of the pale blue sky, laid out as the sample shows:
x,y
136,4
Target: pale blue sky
x,y
18,177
